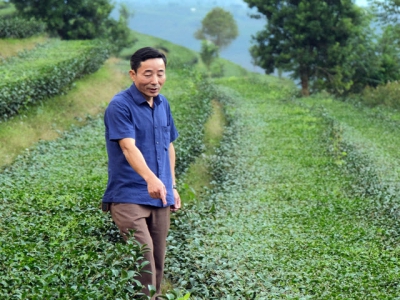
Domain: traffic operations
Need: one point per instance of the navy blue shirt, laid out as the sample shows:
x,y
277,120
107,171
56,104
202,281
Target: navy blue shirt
x,y
129,116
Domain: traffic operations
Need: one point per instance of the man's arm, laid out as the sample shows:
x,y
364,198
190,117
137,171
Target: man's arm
x,y
136,160
172,158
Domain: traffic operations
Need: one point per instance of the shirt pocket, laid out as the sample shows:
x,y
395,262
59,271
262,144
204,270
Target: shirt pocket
x,y
166,130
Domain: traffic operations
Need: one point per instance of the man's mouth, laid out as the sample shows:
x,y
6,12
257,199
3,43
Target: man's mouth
x,y
153,90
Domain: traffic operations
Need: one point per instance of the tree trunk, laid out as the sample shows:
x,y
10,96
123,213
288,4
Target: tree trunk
x,y
304,84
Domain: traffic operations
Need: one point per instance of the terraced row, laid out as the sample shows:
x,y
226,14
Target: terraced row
x,y
281,221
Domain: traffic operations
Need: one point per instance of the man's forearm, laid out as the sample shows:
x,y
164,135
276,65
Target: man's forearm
x,y
172,159
135,159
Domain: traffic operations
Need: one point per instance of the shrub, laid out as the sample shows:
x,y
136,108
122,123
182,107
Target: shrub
x,y
20,28
387,95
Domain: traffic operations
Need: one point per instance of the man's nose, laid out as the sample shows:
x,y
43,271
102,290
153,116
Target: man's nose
x,y
154,79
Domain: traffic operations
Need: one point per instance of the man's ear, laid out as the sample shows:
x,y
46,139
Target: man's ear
x,y
132,74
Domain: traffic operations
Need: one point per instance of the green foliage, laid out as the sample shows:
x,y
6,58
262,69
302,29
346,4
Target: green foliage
x,y
219,27
118,32
208,53
20,28
7,10
68,19
310,39
388,47
79,19
303,204
66,247
362,139
376,59
284,219
46,71
190,107
387,95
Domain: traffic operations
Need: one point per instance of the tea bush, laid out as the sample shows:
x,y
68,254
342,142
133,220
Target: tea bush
x,y
20,28
48,70
191,98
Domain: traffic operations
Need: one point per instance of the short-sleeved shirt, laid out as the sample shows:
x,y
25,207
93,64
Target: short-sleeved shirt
x,y
129,116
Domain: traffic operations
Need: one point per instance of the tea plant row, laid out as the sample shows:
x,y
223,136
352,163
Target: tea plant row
x,y
285,219
48,70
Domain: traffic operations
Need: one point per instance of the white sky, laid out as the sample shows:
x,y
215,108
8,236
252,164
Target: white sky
x,y
362,2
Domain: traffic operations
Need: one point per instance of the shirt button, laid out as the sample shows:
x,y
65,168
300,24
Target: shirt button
x,y
157,143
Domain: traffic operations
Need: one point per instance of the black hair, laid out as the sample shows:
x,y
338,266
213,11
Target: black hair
x,y
144,54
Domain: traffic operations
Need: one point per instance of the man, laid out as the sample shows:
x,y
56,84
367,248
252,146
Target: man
x,y
141,190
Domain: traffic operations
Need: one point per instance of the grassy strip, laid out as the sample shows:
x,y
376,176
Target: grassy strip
x,y
280,223
11,47
7,9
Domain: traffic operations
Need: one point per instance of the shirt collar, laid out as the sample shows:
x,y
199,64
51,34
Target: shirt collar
x,y
138,97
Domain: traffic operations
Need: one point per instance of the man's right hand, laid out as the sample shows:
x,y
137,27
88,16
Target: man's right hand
x,y
157,190
135,158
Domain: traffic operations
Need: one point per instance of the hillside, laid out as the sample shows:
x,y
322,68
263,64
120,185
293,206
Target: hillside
x,y
179,21
299,197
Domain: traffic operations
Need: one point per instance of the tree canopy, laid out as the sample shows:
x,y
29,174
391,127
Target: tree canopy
x,y
219,27
79,19
70,19
208,53
309,38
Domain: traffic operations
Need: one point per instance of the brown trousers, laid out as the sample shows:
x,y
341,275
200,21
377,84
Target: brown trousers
x,y
151,225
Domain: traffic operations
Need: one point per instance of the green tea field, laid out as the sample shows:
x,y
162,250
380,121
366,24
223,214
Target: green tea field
x,y
283,197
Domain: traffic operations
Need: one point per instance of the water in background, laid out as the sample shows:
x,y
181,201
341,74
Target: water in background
x,y
177,21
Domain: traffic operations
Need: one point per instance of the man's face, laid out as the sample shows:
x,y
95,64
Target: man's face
x,y
150,77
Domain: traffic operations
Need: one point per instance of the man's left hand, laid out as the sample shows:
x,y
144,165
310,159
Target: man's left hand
x,y
177,199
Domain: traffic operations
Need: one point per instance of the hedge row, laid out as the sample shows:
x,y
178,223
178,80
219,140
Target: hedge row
x,y
21,28
46,71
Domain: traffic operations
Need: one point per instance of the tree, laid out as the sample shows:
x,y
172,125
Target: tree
x,y
310,39
118,32
70,19
208,53
219,27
